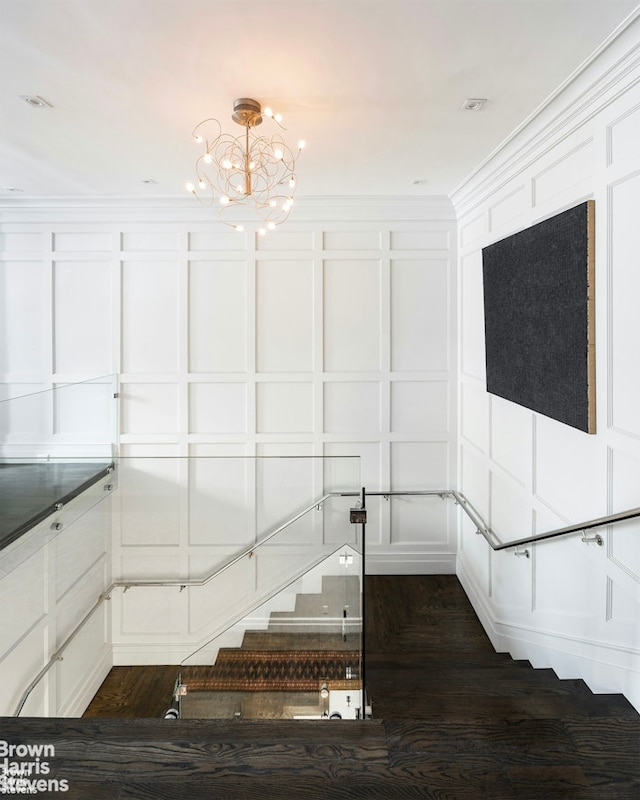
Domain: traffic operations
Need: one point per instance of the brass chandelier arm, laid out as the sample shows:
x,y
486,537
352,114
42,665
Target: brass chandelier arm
x,y
248,170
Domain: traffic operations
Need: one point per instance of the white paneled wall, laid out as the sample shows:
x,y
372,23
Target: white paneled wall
x,y
335,336
572,606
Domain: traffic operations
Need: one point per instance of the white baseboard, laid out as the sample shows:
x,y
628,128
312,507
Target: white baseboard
x,y
604,668
410,564
138,654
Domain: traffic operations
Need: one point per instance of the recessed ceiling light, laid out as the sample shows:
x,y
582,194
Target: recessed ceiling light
x,y
10,189
473,104
35,101
420,182
149,181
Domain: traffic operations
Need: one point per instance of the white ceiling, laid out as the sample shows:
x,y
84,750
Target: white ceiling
x,y
374,86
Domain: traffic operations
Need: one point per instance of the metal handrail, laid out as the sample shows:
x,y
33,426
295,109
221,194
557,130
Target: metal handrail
x,y
490,535
106,595
235,559
481,528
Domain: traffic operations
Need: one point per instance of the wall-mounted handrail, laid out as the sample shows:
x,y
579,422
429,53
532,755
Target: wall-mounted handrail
x,y
106,595
481,528
248,551
490,535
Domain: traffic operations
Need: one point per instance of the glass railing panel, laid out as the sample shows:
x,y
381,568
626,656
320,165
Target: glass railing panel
x,y
297,655
193,545
215,508
63,421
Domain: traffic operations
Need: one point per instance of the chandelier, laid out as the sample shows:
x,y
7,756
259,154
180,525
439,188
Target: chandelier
x,y
245,171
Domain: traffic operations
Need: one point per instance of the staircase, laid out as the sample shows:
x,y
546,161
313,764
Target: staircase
x,y
453,720
278,672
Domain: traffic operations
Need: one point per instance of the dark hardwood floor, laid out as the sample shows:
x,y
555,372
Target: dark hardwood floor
x,y
453,721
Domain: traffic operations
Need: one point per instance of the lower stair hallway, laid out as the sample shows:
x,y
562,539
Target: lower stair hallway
x,y
453,720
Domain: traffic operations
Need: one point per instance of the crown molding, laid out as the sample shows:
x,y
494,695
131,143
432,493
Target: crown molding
x,y
609,72
181,209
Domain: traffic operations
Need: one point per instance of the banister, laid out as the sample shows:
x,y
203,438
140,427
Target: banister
x,y
492,538
235,559
106,595
481,528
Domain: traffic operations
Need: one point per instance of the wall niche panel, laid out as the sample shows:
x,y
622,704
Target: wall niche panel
x,y
624,137
625,290
352,315
285,407
284,292
419,465
351,407
419,315
624,538
472,351
219,509
149,498
217,316
419,406
218,407
23,301
150,316
149,408
82,317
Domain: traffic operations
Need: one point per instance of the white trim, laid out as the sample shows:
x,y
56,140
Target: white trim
x,y
410,564
403,209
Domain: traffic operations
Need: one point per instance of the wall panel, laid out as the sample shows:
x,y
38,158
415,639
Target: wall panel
x,y
558,607
352,315
330,337
420,310
26,347
217,316
624,202
284,296
82,317
149,316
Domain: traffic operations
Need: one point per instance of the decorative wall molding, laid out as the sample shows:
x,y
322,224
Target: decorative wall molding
x,y
593,86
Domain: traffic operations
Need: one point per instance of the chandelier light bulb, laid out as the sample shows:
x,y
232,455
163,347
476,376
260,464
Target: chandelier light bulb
x,y
249,170
302,144
190,187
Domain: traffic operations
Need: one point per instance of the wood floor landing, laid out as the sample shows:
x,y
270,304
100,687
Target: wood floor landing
x,y
454,721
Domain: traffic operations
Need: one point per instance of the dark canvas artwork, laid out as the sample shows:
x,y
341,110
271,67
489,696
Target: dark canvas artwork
x,y
539,317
